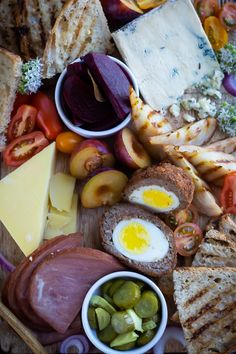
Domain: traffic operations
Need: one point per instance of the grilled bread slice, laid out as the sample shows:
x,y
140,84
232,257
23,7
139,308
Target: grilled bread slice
x,y
35,19
114,216
80,28
10,72
160,188
8,34
206,299
216,250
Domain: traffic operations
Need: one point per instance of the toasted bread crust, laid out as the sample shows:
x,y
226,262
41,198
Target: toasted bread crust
x,y
119,212
170,177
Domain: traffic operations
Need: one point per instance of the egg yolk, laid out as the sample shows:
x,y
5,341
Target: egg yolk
x,y
157,199
134,238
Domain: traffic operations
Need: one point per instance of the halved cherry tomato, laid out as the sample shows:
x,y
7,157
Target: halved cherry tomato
x,y
23,148
67,141
216,33
19,101
22,123
47,118
189,215
206,8
228,16
228,194
187,239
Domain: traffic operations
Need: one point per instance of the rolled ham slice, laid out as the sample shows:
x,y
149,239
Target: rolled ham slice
x,y
16,288
59,284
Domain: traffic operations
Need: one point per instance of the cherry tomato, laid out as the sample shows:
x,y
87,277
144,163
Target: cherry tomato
x,y
206,8
228,16
187,239
19,101
216,32
23,148
189,215
22,123
67,141
228,194
47,118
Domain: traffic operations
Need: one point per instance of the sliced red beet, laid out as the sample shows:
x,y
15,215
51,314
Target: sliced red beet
x,y
80,99
77,68
112,80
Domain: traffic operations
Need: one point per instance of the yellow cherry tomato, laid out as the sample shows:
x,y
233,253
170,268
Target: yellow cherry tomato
x,y
67,141
216,33
149,4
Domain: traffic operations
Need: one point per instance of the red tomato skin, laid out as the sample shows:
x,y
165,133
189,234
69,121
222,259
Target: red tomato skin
x,y
19,101
227,16
47,118
26,117
36,139
228,194
206,8
180,237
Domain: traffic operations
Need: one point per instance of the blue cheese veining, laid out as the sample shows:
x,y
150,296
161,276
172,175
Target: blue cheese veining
x,y
168,51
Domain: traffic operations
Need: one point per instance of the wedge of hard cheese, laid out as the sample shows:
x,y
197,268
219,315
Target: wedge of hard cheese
x,y
167,50
24,199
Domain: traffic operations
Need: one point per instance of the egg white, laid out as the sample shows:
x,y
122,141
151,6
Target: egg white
x,y
137,197
156,250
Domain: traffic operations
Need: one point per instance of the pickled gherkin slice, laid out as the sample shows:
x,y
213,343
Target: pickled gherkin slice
x,y
98,301
115,286
148,305
122,322
127,295
103,318
105,287
149,325
107,334
145,337
123,339
92,318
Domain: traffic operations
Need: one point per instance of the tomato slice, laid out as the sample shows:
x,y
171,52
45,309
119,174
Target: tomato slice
x,y
228,16
228,194
206,8
19,101
216,33
67,141
22,123
187,236
23,148
189,215
47,118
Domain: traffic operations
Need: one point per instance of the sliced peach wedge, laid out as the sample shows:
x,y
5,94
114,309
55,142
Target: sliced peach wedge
x,y
129,150
104,188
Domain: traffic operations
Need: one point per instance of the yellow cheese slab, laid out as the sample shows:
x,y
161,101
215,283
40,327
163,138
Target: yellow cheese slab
x,y
61,191
24,199
69,228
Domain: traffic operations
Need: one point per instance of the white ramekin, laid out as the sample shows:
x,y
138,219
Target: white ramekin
x,y
88,133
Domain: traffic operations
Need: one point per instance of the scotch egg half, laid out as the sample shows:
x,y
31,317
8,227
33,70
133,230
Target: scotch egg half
x,y
140,240
155,197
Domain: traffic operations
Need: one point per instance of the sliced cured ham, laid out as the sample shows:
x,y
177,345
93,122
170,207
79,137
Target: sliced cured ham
x,y
16,288
59,284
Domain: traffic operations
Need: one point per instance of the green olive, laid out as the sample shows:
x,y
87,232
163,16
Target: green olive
x,y
122,322
145,337
148,305
92,318
127,295
115,286
127,346
107,335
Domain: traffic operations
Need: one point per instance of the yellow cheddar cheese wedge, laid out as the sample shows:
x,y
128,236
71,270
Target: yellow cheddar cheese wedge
x,y
24,199
53,228
61,191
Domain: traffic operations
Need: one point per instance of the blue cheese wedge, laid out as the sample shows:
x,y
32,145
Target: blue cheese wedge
x,y
168,52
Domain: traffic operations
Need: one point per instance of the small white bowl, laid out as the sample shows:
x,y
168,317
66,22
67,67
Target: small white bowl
x,y
88,133
96,290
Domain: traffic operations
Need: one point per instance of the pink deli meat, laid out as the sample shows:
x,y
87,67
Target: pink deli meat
x,y
59,284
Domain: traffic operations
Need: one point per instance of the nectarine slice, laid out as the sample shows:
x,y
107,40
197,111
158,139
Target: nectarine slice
x,y
105,188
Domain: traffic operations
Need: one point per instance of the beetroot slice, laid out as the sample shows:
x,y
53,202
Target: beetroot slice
x,y
79,97
112,80
78,68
